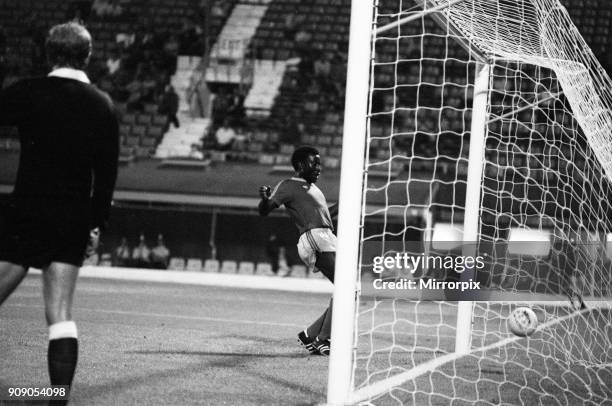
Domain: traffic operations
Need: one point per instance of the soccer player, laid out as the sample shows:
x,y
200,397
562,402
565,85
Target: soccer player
x,y
67,170
307,207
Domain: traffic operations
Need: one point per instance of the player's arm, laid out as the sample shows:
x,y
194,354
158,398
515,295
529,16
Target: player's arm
x,y
333,210
266,205
105,172
272,199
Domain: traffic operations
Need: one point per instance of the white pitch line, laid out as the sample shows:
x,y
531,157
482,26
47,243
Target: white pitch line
x,y
175,316
219,297
257,282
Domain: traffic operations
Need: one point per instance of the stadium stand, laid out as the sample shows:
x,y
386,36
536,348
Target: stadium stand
x,y
294,55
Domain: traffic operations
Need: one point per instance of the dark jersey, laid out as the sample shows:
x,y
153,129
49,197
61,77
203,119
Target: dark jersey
x,y
69,136
305,203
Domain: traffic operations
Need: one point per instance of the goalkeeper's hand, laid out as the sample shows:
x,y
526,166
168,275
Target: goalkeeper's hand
x,y
265,192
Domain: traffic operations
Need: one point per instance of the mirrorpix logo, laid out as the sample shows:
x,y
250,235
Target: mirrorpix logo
x,y
407,263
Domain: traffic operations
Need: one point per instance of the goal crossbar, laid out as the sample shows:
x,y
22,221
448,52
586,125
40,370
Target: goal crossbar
x,y
416,16
434,12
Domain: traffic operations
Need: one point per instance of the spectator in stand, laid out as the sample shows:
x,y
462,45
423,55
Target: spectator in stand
x,y
290,26
218,9
92,255
135,91
171,45
236,112
141,256
169,105
12,75
3,59
293,130
273,248
116,9
149,86
220,107
125,39
145,37
241,140
225,136
338,72
122,254
191,38
113,62
322,67
194,95
100,7
195,152
160,254
105,8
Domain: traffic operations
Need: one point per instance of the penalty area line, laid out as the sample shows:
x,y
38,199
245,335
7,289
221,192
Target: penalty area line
x,y
174,316
383,386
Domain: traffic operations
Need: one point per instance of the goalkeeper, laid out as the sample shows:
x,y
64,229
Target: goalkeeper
x,y
307,207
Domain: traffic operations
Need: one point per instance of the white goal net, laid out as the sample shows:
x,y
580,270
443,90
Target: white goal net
x,y
507,93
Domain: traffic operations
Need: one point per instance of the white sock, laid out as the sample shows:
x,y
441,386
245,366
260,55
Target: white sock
x,y
63,329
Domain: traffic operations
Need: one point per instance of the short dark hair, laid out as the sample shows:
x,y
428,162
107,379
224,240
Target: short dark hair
x,y
68,45
301,154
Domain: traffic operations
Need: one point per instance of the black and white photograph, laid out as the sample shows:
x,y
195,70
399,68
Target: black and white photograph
x,y
306,202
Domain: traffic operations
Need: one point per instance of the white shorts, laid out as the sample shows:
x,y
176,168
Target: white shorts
x,y
313,241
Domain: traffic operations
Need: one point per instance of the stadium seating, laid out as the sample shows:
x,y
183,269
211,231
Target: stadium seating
x,y
105,260
298,271
194,265
227,59
211,265
267,77
246,268
176,264
230,267
280,40
177,142
264,269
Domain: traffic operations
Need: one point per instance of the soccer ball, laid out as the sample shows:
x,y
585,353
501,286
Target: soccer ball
x,y
522,321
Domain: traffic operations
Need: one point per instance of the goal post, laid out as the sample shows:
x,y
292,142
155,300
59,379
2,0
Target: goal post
x,y
483,128
350,201
471,221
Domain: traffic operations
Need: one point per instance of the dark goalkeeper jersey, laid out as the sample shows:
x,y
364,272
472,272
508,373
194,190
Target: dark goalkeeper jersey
x,y
69,144
305,203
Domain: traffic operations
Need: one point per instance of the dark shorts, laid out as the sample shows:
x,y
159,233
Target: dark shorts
x,y
34,233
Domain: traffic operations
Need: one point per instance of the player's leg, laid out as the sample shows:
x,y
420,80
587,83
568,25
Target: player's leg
x,y
326,262
314,329
59,281
320,331
11,276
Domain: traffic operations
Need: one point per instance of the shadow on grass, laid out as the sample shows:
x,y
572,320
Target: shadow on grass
x,y
221,354
121,386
